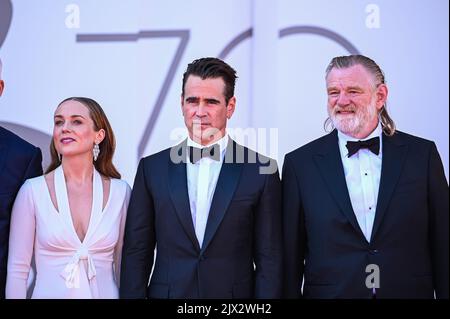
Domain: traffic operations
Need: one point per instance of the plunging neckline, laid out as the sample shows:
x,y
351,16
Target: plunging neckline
x,y
62,200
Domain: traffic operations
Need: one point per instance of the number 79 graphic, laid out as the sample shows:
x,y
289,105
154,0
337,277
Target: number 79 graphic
x,y
183,35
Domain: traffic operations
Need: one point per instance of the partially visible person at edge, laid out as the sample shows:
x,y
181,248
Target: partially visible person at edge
x,y
19,160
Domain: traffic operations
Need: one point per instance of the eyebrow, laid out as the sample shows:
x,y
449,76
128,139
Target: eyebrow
x,y
212,100
355,88
195,98
72,116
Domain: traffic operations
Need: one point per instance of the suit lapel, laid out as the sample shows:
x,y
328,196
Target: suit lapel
x,y
179,192
224,192
3,151
330,165
394,155
3,154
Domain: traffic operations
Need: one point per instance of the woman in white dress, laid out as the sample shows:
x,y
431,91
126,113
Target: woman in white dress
x,y
73,217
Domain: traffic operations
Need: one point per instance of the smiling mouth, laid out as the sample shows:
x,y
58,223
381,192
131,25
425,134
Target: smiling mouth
x,y
67,140
345,112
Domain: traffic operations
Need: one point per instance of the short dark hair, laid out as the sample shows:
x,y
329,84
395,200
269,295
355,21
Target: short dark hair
x,y
208,68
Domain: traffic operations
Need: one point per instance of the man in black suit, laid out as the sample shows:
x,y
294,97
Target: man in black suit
x,y
210,206
19,161
366,207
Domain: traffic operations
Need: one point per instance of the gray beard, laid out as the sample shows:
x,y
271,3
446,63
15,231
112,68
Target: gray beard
x,y
355,124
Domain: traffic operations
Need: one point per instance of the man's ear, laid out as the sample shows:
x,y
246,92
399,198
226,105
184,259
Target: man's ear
x,y
182,103
2,86
382,94
230,107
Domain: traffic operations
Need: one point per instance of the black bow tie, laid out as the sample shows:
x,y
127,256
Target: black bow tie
x,y
196,154
372,144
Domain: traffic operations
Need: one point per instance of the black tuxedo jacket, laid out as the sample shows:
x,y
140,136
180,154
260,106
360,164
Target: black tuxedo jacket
x,y
410,236
19,161
241,252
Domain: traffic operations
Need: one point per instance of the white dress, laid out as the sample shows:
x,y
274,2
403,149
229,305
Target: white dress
x,y
65,266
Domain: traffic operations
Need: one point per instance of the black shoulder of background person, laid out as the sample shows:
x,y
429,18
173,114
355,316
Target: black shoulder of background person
x,y
18,144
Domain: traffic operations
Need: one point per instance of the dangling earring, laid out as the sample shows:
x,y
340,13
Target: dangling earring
x,y
96,151
60,157
328,125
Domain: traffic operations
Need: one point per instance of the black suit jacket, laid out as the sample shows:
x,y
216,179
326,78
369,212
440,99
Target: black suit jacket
x,y
243,229
410,236
19,161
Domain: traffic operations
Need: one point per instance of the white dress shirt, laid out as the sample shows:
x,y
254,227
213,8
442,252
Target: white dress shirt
x,y
202,179
362,174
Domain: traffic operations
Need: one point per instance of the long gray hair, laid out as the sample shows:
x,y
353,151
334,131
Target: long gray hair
x,y
343,62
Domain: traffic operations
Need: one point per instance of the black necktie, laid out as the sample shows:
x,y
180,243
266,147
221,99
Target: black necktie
x,y
195,153
372,144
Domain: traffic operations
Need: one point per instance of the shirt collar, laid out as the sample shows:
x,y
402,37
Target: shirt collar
x,y
223,143
376,132
343,139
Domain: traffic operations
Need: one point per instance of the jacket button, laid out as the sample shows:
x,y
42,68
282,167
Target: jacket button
x,y
373,251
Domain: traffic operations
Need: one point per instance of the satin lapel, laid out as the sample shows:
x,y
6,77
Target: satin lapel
x,y
179,192
330,166
224,192
394,155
